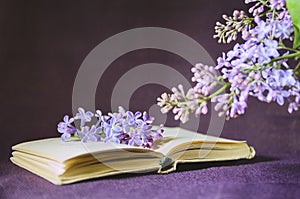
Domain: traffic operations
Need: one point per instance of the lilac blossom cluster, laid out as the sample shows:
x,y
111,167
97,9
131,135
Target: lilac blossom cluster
x,y
257,67
122,127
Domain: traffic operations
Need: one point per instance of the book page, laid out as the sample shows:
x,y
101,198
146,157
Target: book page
x,y
174,136
57,150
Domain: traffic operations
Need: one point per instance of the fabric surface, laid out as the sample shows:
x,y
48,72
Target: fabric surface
x,y
273,173
259,178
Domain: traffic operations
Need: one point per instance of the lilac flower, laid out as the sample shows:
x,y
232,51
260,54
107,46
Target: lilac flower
x,y
130,128
271,47
66,127
134,119
283,28
284,77
68,121
121,112
222,61
256,67
277,4
112,128
256,9
147,136
205,78
221,101
235,52
122,127
158,133
83,116
261,31
202,109
144,136
135,138
89,134
264,54
147,142
147,119
237,107
181,114
293,107
99,116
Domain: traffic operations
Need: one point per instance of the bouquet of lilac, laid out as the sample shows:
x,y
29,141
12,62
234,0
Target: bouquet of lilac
x,y
123,127
264,66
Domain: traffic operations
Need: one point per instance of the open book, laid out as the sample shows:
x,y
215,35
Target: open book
x,y
68,162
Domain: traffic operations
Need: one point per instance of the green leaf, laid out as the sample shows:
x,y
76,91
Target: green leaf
x,y
294,10
296,37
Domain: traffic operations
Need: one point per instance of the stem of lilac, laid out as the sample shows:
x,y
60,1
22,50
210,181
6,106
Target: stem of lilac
x,y
229,101
284,47
297,54
296,69
74,136
199,101
263,2
273,14
287,48
223,88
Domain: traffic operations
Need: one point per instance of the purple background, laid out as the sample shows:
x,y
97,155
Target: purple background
x,y
42,45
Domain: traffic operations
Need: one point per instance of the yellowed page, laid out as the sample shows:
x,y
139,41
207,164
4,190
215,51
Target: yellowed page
x,y
87,172
174,136
55,149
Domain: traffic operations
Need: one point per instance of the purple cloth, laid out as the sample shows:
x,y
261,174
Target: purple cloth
x,y
273,173
262,177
